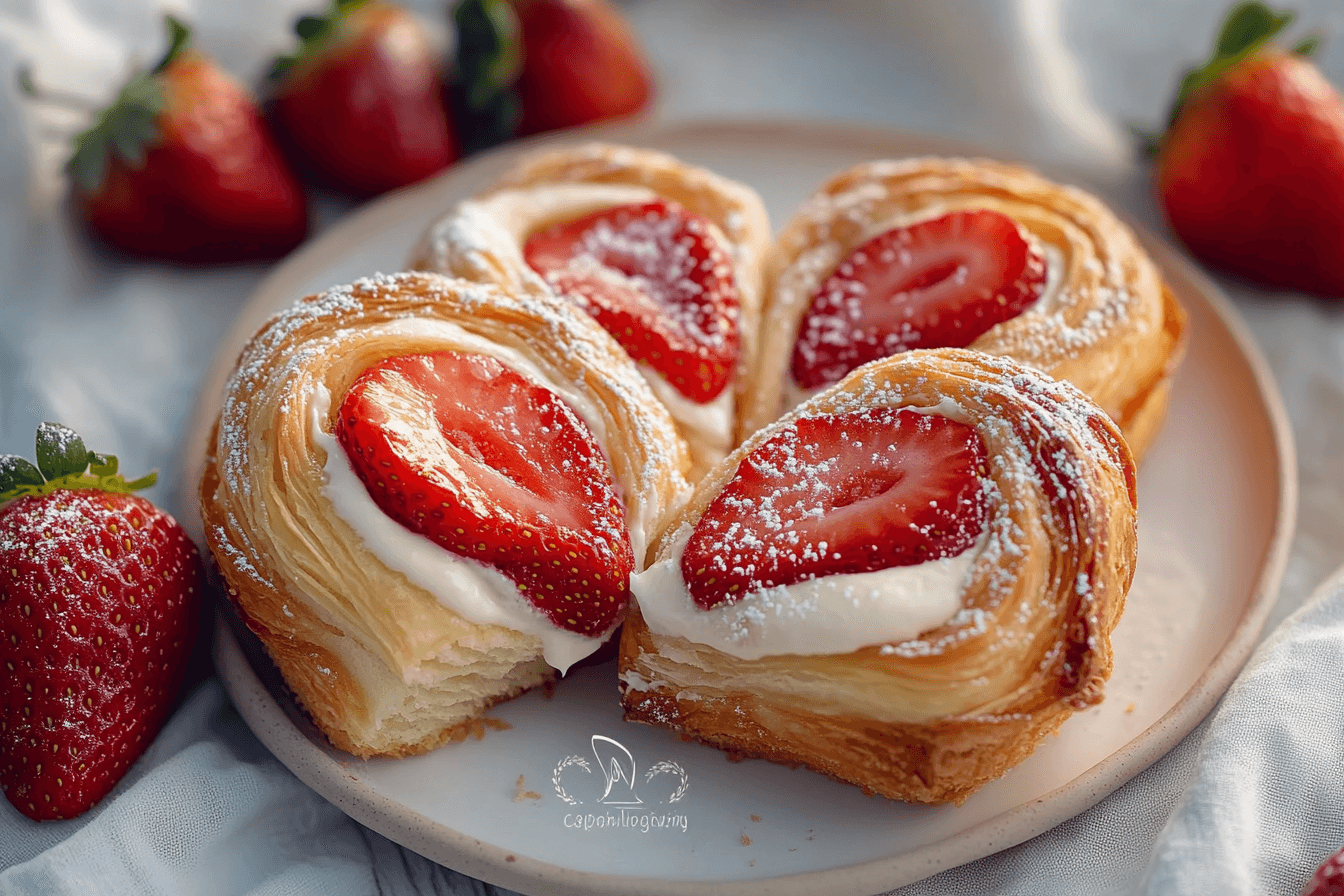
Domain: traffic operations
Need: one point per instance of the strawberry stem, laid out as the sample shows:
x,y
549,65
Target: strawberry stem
x,y
313,32
1307,46
1248,28
127,128
179,36
63,462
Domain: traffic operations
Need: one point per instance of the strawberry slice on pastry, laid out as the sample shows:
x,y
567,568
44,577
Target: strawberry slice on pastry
x,y
937,283
465,451
654,276
905,583
839,494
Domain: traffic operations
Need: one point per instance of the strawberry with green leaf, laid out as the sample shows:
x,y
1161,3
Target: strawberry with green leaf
x,y
1250,172
99,597
360,104
525,66
181,166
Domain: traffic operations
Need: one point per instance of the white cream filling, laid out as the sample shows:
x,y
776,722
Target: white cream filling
x,y
707,427
474,591
835,614
829,615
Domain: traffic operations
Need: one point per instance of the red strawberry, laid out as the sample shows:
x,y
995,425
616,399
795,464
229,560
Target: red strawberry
x,y
1251,172
182,167
843,493
360,105
1328,879
655,278
580,64
464,451
99,593
939,283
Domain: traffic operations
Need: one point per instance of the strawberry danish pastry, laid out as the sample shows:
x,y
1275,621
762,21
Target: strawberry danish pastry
x,y
425,495
890,256
904,584
667,257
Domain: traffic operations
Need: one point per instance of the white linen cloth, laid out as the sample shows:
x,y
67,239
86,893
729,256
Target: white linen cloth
x,y
1249,803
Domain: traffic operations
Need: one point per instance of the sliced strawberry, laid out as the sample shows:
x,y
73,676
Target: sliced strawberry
x,y
842,493
937,283
466,452
655,278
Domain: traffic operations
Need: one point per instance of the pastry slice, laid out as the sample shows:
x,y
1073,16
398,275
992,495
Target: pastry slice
x,y
890,256
905,583
426,496
666,256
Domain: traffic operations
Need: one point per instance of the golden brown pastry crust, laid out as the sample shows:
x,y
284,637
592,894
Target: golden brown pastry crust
x,y
933,718
482,239
1110,326
365,649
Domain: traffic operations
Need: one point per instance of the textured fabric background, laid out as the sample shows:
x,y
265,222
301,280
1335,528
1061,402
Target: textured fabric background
x,y
1249,803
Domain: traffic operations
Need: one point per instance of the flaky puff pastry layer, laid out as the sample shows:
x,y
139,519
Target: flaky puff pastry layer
x,y
1106,323
482,238
933,718
381,665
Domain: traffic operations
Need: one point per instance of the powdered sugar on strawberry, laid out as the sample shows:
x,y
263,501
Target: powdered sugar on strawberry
x,y
270,395
1046,441
657,278
1095,267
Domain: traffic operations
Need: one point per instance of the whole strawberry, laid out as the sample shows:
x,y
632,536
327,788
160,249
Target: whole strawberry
x,y
99,595
1328,879
181,166
525,66
360,105
581,64
1251,172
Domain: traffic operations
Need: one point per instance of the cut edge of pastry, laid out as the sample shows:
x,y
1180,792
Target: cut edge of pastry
x,y
932,763
351,694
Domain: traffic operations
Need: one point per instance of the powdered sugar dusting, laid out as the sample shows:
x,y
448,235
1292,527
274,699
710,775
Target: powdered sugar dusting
x,y
269,395
1056,531
483,239
1101,305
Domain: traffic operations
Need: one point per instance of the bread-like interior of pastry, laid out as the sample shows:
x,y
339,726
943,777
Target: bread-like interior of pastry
x,y
814,652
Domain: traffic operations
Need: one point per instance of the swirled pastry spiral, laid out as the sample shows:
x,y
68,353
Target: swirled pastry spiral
x,y
1097,315
772,623
668,248
391,642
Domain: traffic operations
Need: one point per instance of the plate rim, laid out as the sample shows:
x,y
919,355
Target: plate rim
x,y
442,844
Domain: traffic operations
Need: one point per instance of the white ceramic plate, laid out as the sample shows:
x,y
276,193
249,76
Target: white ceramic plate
x,y
1217,501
